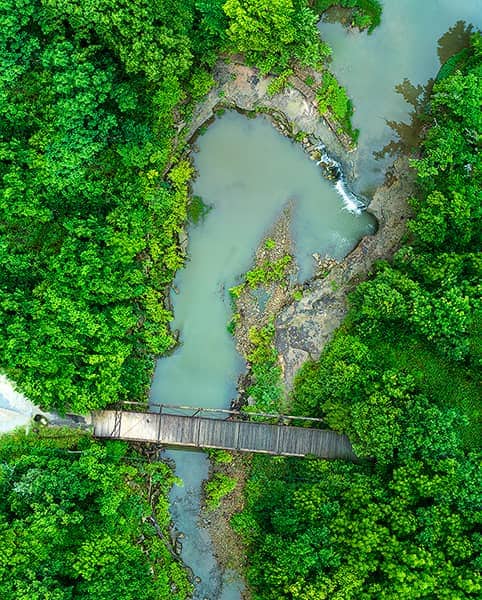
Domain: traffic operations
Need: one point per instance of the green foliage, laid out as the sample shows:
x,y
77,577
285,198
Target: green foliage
x,y
268,271
272,32
368,392
269,244
332,98
279,83
216,488
366,14
451,65
236,291
76,523
324,530
200,84
197,210
220,456
266,389
401,379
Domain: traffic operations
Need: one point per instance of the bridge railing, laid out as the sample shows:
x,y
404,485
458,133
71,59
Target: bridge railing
x,y
220,413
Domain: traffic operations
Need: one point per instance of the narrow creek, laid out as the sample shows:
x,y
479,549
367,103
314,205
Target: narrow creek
x,y
247,172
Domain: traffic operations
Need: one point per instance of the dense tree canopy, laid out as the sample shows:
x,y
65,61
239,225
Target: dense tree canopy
x,y
90,95
89,227
271,32
76,522
321,530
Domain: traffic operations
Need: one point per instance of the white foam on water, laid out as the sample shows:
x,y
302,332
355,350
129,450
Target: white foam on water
x,y
350,202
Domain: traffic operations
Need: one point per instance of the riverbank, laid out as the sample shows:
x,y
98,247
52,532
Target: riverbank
x,y
229,548
293,109
304,317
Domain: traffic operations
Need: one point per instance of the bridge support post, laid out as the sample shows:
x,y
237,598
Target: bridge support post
x,y
116,431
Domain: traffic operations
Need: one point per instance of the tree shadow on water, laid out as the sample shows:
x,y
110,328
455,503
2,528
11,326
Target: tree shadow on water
x,y
454,40
408,134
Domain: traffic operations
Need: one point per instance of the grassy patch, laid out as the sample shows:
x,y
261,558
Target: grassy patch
x,y
216,488
266,389
332,98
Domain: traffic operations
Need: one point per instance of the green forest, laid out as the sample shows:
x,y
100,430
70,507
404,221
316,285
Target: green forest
x,y
83,520
94,194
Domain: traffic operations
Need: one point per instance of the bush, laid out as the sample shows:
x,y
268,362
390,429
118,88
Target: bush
x,y
216,488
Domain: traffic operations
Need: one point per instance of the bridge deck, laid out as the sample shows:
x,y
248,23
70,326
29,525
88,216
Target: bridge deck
x,y
200,432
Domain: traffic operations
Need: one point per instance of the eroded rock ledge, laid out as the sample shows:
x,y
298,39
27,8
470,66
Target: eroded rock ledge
x,y
293,110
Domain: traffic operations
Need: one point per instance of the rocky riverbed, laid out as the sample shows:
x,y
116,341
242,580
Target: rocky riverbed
x,y
304,327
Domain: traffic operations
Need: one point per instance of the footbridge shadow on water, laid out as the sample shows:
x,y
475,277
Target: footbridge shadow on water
x,y
224,429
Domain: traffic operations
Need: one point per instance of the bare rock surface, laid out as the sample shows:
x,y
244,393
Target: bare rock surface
x,y
293,110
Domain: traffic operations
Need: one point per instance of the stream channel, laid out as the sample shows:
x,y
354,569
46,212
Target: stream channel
x,y
246,173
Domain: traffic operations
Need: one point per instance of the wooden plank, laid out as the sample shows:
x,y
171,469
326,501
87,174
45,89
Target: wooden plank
x,y
180,430
139,426
215,433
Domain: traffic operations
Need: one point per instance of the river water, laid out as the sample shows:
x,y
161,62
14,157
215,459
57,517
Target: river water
x,y
247,172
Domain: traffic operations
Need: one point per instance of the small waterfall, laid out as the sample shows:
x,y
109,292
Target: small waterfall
x,y
350,201
335,172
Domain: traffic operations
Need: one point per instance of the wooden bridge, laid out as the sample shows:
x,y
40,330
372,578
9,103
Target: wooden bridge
x,y
230,431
